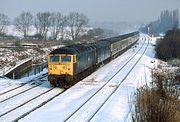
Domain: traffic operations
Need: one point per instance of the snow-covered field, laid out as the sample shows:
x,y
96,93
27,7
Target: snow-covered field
x,y
118,105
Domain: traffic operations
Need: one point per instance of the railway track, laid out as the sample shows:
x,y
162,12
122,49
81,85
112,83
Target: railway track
x,y
11,91
20,101
38,106
25,108
85,93
104,91
119,83
14,113
2,114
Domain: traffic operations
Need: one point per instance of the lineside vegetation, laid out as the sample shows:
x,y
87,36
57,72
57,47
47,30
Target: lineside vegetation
x,y
158,103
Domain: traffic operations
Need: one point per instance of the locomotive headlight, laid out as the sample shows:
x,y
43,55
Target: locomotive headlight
x,y
61,72
50,67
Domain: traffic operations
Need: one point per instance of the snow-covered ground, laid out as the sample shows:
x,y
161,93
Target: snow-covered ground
x,y
10,59
117,107
18,97
7,84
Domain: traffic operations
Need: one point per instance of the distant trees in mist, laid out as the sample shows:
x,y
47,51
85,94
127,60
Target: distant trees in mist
x,y
166,21
4,21
44,22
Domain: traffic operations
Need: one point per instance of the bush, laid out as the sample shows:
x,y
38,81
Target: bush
x,y
160,102
151,107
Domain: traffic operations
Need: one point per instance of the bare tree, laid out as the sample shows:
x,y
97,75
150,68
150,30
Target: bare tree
x,y
42,24
76,22
4,21
175,18
58,23
23,23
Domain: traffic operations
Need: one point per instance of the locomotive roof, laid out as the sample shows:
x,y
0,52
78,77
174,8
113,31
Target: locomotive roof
x,y
73,49
81,48
118,38
63,50
100,43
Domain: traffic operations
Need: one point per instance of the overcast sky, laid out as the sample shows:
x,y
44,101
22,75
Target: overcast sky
x,y
96,10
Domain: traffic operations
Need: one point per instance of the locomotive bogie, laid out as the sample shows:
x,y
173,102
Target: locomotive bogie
x,y
63,80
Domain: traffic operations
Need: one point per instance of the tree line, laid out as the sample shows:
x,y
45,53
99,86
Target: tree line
x,y
53,22
166,21
169,47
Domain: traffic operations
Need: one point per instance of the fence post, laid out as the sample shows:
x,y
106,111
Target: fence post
x,y
39,69
35,71
13,76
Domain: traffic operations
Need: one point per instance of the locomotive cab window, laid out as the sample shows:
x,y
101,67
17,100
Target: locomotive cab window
x,y
65,58
54,58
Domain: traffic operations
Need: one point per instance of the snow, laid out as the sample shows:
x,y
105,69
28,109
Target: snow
x,y
20,99
12,93
117,107
20,63
29,106
8,84
10,60
27,93
32,77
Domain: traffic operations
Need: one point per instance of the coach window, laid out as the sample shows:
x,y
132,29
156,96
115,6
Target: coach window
x,y
54,58
65,58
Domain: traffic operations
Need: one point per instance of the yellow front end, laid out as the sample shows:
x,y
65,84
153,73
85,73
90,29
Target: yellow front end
x,y
60,64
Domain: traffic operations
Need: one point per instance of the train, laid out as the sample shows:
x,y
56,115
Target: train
x,y
67,65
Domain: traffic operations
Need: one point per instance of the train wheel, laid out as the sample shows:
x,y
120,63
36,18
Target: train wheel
x,y
66,84
53,83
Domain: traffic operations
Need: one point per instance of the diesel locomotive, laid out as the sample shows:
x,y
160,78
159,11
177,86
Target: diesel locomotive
x,y
67,65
